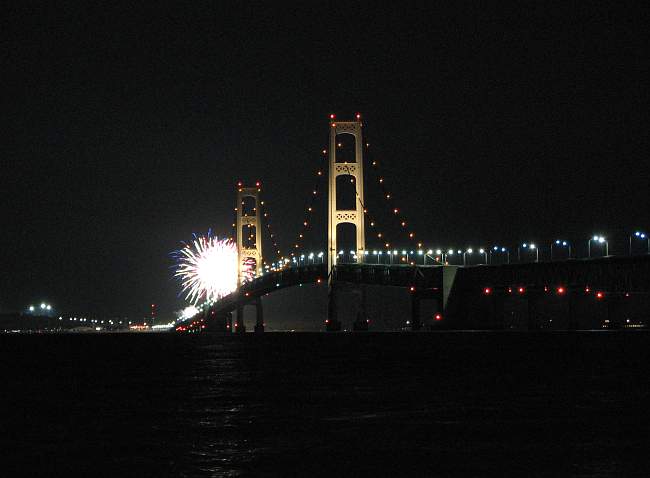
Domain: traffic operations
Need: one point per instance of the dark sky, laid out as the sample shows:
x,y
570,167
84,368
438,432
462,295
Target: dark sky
x,y
124,129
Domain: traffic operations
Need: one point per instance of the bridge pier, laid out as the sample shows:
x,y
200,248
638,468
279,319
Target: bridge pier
x,y
240,327
533,298
497,311
361,323
416,319
217,323
229,322
572,319
259,316
332,324
614,312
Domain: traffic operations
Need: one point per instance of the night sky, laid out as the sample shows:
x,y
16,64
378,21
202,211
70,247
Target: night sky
x,y
125,129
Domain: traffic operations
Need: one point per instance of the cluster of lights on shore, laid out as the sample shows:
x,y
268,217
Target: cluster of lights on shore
x,y
44,307
93,321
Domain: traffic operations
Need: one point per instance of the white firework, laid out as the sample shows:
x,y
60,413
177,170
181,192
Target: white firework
x,y
207,269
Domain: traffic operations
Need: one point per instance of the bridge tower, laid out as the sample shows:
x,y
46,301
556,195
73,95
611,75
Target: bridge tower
x,y
246,220
340,216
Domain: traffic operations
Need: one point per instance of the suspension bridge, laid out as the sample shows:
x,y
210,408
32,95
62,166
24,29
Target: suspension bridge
x,y
473,293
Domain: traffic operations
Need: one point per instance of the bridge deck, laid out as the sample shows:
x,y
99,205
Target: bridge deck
x,y
613,275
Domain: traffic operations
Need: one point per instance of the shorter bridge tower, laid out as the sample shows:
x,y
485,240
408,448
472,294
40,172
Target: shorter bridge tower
x,y
246,221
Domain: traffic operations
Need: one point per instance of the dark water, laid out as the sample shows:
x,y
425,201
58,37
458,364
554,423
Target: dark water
x,y
437,404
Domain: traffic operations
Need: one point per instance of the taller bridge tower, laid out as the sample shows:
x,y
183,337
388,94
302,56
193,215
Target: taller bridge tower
x,y
355,170
355,216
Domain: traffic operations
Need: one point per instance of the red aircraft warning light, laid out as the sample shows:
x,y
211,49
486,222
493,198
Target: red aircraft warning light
x,y
600,295
561,290
438,317
521,290
487,291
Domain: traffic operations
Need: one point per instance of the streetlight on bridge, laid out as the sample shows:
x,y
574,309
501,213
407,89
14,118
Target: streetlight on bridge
x,y
560,243
441,254
643,237
468,251
484,253
450,252
600,240
503,250
427,254
530,247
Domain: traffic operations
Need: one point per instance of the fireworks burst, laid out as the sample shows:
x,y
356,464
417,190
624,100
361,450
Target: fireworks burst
x,y
207,268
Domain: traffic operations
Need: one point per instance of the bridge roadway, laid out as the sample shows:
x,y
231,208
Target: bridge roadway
x,y
422,281
459,292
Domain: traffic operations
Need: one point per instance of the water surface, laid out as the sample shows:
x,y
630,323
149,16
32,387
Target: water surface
x,y
448,404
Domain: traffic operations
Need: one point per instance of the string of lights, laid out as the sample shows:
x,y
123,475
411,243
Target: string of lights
x,y
269,229
309,212
389,199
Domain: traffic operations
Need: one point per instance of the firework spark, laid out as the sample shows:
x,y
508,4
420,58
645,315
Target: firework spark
x,y
207,268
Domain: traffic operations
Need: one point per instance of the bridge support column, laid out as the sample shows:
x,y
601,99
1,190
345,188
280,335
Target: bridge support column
x,y
572,318
259,316
416,319
532,306
217,323
614,312
497,320
361,323
239,321
332,324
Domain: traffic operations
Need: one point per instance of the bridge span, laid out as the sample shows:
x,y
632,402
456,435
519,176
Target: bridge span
x,y
475,297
